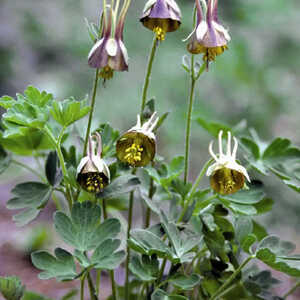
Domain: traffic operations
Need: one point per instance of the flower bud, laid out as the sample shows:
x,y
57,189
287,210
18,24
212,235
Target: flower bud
x,y
226,175
137,146
161,16
209,36
92,172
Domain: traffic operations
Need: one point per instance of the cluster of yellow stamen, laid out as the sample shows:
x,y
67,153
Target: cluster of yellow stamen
x,y
133,154
160,33
106,73
94,183
211,53
226,187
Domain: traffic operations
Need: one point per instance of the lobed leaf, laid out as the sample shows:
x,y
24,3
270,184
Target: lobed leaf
x,y
61,266
275,253
83,229
68,111
32,196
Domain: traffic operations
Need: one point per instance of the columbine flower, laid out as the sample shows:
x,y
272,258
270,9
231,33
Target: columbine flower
x,y
209,36
109,53
137,146
226,175
161,16
92,172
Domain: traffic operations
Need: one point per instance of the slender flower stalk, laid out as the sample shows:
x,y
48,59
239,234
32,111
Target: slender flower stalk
x,y
87,134
112,274
188,122
148,73
193,190
131,199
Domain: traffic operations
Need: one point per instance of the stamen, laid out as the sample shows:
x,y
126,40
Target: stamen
x,y
133,154
160,33
94,183
106,73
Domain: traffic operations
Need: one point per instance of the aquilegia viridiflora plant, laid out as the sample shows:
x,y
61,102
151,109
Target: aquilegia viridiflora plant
x,y
199,245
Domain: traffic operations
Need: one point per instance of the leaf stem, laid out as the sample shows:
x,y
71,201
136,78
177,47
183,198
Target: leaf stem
x,y
162,269
230,279
82,287
91,111
91,287
98,281
40,176
292,290
111,272
148,73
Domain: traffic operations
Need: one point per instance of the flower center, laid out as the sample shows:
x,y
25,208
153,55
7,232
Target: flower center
x,y
227,181
94,182
212,52
160,33
133,154
106,73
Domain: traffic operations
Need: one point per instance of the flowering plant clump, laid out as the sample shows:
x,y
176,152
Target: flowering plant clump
x,y
196,241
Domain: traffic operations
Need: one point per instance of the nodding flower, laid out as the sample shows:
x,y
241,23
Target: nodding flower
x,y
92,172
137,146
226,175
161,16
109,53
209,36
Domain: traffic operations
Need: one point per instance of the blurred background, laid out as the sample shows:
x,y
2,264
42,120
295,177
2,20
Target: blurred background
x,y
45,44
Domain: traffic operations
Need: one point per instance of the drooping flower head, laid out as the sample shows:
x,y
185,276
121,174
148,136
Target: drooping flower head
x,y
109,53
226,175
161,16
92,172
137,146
209,36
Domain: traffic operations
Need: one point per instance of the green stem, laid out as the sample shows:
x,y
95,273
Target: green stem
x,y
162,269
28,168
148,73
148,210
91,287
230,279
82,287
91,111
131,198
142,291
56,201
188,122
57,144
112,274
193,189
292,290
98,281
